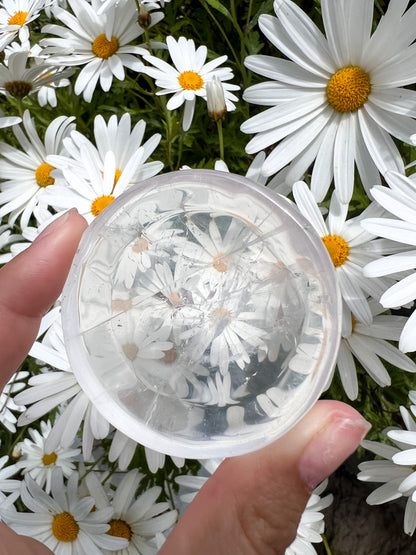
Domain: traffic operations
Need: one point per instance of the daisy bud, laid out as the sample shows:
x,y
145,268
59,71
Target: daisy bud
x,y
17,452
143,19
215,99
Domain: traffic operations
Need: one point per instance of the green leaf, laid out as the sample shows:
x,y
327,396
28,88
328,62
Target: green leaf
x,y
219,7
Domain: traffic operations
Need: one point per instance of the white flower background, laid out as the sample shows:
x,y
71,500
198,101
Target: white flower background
x,y
313,100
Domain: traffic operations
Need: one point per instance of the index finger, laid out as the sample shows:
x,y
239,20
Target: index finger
x,y
30,283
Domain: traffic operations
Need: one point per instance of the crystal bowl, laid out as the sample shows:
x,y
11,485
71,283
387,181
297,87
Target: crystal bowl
x,y
201,314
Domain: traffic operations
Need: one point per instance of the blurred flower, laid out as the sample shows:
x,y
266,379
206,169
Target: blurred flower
x,y
19,81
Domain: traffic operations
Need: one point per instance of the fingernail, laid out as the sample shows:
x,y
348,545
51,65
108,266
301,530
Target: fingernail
x,y
330,447
55,225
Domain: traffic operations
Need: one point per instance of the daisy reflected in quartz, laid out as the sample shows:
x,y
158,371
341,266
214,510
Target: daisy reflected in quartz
x,y
187,79
101,43
350,248
218,249
337,100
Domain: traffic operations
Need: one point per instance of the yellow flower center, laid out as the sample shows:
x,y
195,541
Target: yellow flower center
x,y
130,350
353,323
18,89
19,18
190,80
65,527
170,356
220,263
175,299
140,245
348,89
338,249
120,529
49,459
119,305
98,205
117,176
42,175
104,48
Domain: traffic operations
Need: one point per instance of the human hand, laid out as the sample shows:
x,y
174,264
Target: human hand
x,y
253,503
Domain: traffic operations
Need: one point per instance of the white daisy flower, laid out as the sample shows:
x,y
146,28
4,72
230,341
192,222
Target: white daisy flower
x,y
166,294
156,460
398,199
195,483
95,186
46,94
311,525
231,331
187,79
117,137
394,469
139,340
8,121
368,344
49,389
100,42
18,81
63,521
39,463
151,244
7,403
123,448
6,472
215,256
337,100
15,16
350,248
137,519
26,174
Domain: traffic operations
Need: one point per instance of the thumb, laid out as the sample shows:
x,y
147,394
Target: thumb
x,y
254,502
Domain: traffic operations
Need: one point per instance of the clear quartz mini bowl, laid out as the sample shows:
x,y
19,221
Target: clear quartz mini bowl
x,y
201,314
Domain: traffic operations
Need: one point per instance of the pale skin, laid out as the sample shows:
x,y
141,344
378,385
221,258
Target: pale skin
x,y
253,503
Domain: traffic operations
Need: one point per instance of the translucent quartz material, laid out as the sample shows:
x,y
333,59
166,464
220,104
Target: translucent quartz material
x,y
201,314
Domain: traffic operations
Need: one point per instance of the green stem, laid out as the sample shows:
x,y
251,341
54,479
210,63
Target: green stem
x,y
250,8
170,494
241,67
326,545
220,138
